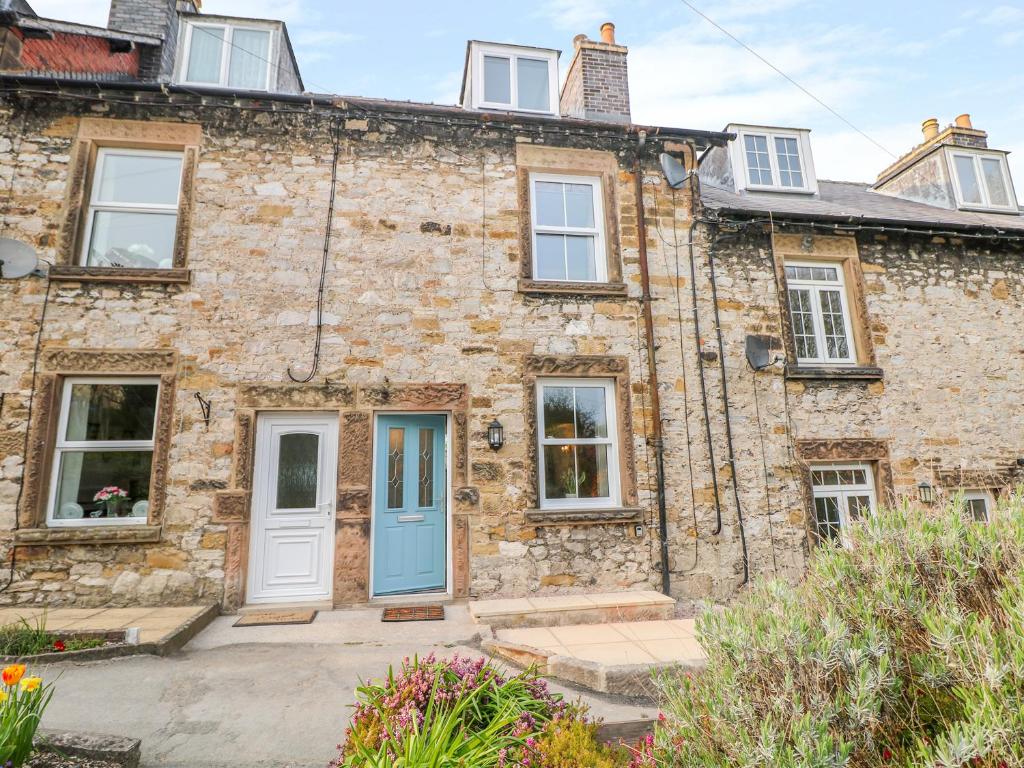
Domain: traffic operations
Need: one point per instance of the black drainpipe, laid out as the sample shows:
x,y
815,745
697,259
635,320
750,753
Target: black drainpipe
x,y
652,367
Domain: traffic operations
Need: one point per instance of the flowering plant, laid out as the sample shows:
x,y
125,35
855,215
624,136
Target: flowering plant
x,y
22,702
110,493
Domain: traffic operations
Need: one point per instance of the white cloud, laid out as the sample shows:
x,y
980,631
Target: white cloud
x,y
83,11
576,15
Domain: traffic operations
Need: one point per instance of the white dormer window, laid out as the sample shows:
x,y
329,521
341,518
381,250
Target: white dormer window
x,y
514,79
982,180
772,159
227,55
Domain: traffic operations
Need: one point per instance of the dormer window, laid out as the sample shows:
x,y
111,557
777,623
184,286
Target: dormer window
x,y
982,180
772,159
512,78
228,55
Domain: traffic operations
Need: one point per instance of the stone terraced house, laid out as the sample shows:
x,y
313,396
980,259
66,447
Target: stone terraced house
x,y
292,347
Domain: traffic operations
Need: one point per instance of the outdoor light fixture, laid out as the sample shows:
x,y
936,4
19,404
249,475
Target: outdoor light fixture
x,y
495,435
925,492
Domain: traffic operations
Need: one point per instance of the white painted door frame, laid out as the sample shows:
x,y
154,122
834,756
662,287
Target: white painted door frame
x,y
448,498
291,550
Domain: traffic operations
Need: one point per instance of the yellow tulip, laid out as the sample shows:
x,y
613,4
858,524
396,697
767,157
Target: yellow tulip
x,y
12,674
3,696
31,683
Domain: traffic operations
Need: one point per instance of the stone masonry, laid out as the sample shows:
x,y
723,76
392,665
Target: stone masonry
x,y
426,305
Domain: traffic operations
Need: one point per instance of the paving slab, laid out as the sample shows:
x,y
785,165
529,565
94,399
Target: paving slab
x,y
555,610
617,657
266,697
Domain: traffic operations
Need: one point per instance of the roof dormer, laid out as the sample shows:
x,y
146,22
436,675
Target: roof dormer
x,y
953,168
510,78
769,159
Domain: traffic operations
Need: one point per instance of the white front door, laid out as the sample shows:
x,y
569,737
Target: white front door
x,y
291,552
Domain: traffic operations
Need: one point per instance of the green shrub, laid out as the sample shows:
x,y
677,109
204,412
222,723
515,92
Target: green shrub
x,y
905,649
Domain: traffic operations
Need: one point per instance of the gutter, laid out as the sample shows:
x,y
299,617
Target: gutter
x,y
554,124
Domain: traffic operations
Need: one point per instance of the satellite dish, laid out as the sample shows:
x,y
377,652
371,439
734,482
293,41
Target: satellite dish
x,y
673,170
16,259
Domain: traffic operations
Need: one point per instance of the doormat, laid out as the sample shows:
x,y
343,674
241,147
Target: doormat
x,y
270,618
433,612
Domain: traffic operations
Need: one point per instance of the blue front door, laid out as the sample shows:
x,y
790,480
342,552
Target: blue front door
x,y
409,504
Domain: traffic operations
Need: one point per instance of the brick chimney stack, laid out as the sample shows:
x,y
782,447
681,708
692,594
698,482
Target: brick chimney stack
x,y
597,85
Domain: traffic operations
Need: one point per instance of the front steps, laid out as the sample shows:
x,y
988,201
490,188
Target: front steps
x,y
609,642
563,610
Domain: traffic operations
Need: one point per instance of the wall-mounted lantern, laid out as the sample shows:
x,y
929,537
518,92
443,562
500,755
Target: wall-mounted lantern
x,y
925,492
495,435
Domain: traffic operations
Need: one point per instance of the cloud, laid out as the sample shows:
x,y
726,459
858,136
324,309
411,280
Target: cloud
x,y
576,15
1008,18
82,11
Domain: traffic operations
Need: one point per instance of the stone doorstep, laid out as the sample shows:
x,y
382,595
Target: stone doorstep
x,y
120,750
561,610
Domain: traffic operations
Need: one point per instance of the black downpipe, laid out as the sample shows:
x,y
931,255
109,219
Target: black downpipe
x,y
703,384
728,419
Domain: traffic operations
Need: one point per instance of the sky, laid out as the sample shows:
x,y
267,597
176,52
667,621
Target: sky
x,y
884,65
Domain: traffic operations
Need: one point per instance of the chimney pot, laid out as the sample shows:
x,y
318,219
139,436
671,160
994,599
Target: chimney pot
x,y
964,121
930,128
579,40
608,33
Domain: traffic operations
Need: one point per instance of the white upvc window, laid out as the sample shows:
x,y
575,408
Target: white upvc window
x,y
979,502
982,180
103,455
228,55
567,213
843,494
578,455
515,79
132,218
774,160
819,312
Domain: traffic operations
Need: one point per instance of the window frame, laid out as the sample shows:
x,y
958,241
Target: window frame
x,y
225,57
842,491
976,157
513,54
61,445
93,205
980,494
596,185
614,499
741,170
815,287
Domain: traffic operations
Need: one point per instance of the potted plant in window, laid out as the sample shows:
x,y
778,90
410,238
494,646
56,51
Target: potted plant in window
x,y
111,496
571,483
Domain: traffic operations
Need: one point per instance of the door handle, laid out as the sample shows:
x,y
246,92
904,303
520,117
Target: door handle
x,y
410,518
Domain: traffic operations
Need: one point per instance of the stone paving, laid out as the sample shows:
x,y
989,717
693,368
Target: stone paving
x,y
156,625
633,642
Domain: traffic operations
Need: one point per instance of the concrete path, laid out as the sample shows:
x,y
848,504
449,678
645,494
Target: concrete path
x,y
156,625
260,697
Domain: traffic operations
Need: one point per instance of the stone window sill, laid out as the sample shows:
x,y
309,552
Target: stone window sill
x,y
79,274
98,534
557,288
834,373
584,516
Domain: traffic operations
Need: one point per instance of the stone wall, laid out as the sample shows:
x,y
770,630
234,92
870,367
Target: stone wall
x,y
422,287
425,287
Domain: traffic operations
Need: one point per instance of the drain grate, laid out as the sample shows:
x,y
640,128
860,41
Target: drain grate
x,y
433,612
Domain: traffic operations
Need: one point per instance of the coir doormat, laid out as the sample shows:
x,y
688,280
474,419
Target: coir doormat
x,y
270,618
433,612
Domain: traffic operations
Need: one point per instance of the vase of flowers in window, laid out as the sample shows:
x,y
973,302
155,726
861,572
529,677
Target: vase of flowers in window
x,y
571,483
112,497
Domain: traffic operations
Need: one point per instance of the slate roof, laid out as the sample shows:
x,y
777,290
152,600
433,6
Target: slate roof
x,y
855,202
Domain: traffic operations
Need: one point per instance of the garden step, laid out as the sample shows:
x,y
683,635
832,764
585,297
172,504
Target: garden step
x,y
561,610
617,657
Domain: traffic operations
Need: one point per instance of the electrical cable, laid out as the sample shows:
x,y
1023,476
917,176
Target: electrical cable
x,y
764,466
700,370
682,360
725,406
739,42
336,138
